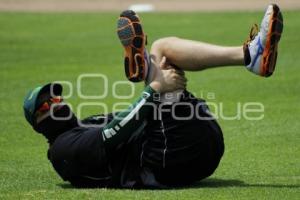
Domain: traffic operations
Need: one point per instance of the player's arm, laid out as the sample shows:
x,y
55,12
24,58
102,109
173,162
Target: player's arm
x,y
125,123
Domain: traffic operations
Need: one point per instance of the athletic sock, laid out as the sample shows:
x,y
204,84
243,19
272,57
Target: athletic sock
x,y
149,72
247,57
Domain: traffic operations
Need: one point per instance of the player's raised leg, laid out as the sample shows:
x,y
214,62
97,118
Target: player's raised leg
x,y
195,55
258,54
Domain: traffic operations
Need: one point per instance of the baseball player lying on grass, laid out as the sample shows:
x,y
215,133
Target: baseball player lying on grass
x,y
145,146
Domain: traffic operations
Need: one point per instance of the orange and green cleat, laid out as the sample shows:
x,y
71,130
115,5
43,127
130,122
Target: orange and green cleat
x,y
133,39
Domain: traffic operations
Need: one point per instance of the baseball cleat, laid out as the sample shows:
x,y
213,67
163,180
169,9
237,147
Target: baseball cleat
x,y
261,49
133,39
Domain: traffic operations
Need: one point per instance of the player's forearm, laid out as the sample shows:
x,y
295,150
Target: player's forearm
x,y
125,123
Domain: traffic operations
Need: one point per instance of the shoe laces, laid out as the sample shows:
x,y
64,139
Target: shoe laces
x,y
253,33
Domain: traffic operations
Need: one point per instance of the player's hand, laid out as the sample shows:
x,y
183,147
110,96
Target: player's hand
x,y
168,79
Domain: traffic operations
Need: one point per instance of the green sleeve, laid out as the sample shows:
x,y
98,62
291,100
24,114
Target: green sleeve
x,y
125,123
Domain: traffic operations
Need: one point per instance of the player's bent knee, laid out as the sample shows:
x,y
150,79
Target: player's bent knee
x,y
163,45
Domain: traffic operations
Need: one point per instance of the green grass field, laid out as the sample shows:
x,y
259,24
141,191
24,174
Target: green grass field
x,y
262,158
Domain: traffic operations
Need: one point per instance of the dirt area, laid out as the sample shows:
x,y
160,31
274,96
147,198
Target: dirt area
x,y
159,5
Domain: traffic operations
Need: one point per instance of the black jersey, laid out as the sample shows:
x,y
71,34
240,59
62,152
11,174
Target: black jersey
x,y
80,157
157,153
184,144
108,156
